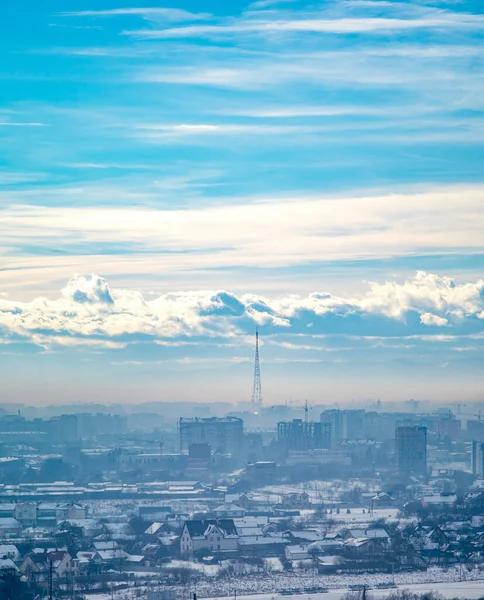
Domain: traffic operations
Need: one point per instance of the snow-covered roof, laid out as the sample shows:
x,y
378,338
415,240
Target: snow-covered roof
x,y
249,531
7,564
297,552
135,558
329,560
377,532
112,554
438,499
106,545
8,549
9,523
310,535
229,507
154,528
201,528
261,540
356,542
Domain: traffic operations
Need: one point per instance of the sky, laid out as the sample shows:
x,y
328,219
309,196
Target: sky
x,y
174,175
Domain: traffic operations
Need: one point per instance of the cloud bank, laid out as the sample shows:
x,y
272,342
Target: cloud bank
x,y
89,312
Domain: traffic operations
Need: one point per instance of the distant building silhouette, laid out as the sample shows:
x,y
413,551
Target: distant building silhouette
x,y
411,449
304,435
225,435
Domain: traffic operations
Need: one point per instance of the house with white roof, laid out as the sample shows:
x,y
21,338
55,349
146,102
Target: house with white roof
x,y
9,551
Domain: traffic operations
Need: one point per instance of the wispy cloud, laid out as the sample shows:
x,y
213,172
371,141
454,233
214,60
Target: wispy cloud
x,y
335,26
266,232
20,124
151,14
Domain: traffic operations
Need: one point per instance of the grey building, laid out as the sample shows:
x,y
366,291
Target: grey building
x,y
225,435
304,435
477,459
411,449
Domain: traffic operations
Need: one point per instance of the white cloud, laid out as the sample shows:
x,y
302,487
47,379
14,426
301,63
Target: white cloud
x,y
430,319
20,124
155,14
440,20
89,313
262,232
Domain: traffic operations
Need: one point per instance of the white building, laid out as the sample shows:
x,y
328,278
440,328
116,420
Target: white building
x,y
229,511
9,551
9,527
214,535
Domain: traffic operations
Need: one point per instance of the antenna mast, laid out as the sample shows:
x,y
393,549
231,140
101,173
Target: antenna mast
x,y
257,388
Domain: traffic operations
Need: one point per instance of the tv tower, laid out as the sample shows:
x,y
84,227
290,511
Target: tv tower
x,y
257,389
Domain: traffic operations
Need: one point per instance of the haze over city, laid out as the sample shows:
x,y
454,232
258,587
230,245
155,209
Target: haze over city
x,y
174,176
242,300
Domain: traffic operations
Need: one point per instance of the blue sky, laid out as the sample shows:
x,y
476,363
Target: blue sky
x,y
172,175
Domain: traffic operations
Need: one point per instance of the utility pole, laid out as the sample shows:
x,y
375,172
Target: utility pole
x,y
51,572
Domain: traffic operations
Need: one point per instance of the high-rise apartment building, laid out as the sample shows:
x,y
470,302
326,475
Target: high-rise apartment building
x,y
225,435
477,459
411,449
345,424
304,435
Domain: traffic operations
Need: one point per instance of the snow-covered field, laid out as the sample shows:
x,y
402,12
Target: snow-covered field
x,y
266,586
468,590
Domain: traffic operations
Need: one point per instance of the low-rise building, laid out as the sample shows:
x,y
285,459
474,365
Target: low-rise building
x,y
216,535
36,565
9,551
229,511
9,527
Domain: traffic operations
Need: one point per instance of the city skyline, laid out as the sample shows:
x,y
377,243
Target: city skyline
x,y
174,176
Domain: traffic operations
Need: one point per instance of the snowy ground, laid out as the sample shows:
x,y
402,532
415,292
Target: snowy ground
x,y
468,590
266,586
327,490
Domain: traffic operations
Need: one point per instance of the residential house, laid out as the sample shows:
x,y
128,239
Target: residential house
x,y
26,513
229,511
264,546
36,565
214,535
105,545
9,527
297,552
377,533
439,500
70,511
155,530
113,558
7,509
89,562
9,551
8,566
304,537
242,500
296,500
47,514
329,564
362,548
